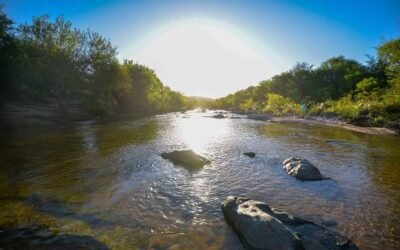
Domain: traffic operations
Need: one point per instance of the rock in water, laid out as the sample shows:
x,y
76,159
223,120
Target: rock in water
x,y
302,169
186,158
258,229
219,116
250,154
261,227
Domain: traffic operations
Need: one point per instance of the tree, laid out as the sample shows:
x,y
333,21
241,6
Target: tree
x,y
301,83
338,76
49,52
389,53
105,79
367,88
8,52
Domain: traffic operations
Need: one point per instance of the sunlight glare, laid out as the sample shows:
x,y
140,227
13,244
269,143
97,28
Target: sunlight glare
x,y
198,133
204,58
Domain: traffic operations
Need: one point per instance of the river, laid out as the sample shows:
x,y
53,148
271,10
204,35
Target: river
x,y
107,180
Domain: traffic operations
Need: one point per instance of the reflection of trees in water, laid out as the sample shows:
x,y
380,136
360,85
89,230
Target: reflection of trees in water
x,y
115,135
310,131
380,154
383,164
20,147
69,163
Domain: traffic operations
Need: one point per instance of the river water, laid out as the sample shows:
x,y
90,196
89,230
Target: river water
x,y
107,180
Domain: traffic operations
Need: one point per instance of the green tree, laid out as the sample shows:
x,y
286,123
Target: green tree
x,y
338,76
105,78
8,52
48,58
389,53
301,82
367,88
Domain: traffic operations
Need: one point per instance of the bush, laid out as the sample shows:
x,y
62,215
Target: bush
x,y
279,105
344,107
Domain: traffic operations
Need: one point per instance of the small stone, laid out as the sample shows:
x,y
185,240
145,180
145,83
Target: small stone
x,y
250,154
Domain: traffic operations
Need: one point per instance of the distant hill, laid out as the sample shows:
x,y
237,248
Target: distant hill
x,y
200,98
199,101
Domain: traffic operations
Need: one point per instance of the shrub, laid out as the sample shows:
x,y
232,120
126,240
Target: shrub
x,y
279,105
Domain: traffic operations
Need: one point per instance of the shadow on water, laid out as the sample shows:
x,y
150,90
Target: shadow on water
x,y
21,146
106,139
59,209
36,238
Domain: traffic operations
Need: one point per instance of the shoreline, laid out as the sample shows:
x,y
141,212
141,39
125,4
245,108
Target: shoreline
x,y
45,115
334,122
21,115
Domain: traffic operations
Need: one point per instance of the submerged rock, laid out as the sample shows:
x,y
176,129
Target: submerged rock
x,y
38,238
219,116
186,158
261,227
302,169
250,154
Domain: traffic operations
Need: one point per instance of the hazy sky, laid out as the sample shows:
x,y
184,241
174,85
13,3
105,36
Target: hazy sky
x,y
212,48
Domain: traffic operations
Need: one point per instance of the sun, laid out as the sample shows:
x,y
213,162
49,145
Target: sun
x,y
204,58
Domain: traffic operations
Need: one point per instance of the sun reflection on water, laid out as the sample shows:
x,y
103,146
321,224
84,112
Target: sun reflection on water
x,y
197,133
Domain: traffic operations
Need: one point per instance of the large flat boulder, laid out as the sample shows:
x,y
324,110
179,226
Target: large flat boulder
x,y
302,169
261,227
186,158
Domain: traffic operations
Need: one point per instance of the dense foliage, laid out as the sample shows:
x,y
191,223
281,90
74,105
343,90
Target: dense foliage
x,y
367,94
50,61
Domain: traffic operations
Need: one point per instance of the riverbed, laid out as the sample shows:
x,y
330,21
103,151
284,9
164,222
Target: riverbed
x,y
107,180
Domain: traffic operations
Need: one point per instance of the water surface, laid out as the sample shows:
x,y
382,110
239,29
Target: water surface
x,y
107,180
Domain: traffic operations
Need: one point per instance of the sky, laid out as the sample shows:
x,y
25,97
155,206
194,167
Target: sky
x,y
213,48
